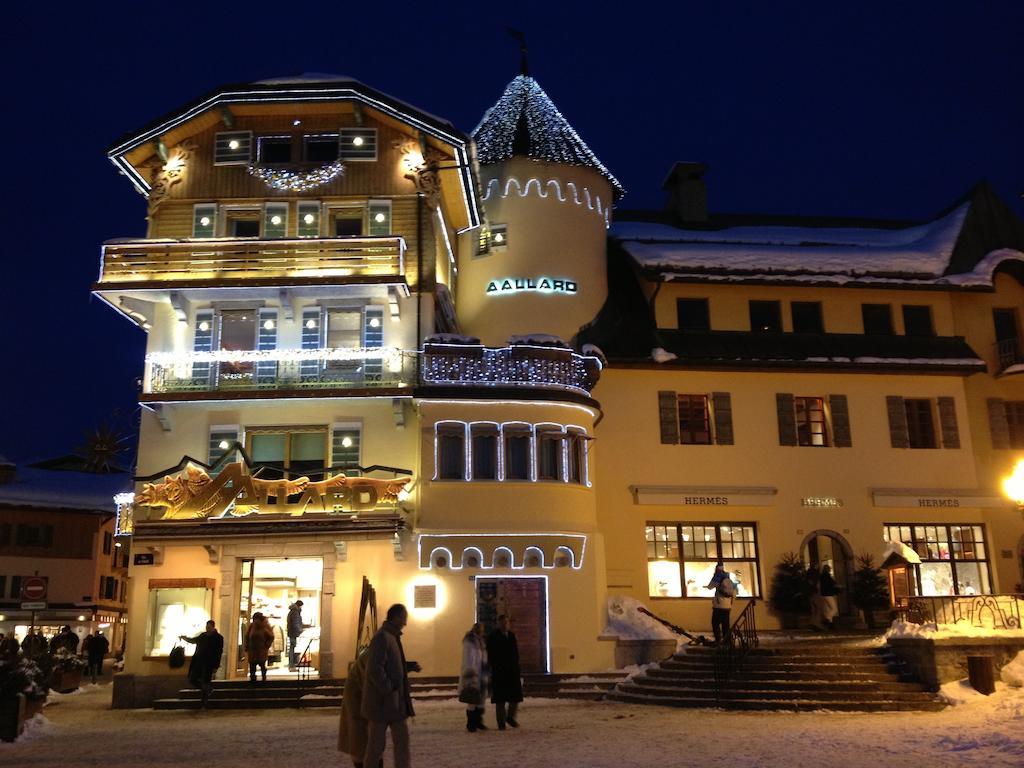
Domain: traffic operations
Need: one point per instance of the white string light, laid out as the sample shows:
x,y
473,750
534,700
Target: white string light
x,y
297,181
540,188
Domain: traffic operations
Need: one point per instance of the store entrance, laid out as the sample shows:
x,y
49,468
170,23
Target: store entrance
x,y
271,586
525,602
822,548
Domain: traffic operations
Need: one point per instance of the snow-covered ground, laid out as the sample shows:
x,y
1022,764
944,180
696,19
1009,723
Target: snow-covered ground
x,y
80,730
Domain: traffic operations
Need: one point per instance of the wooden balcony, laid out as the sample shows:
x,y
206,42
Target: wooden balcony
x,y
199,262
1010,355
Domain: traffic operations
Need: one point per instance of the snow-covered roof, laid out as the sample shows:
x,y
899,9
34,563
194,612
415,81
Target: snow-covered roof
x,y
919,252
525,122
55,489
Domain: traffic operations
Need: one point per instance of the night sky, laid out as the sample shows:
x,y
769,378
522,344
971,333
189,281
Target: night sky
x,y
876,109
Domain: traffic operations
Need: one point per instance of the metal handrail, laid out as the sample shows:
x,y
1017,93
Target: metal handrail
x,y
1001,611
732,651
303,670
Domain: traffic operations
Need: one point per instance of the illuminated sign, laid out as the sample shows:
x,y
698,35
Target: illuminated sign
x,y
538,284
821,501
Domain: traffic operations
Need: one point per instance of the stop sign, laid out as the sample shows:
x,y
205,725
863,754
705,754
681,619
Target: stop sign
x,y
33,588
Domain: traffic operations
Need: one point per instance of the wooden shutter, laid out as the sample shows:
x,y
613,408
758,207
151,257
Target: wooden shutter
x,y
787,418
998,425
202,341
266,341
899,434
722,404
668,417
840,411
947,422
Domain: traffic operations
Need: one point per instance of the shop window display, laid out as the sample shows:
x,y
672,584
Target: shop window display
x,y
681,558
174,612
954,558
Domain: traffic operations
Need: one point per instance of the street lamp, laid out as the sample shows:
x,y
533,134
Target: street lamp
x,y
1013,486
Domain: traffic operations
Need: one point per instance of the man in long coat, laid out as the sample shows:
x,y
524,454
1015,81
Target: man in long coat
x,y
506,679
205,659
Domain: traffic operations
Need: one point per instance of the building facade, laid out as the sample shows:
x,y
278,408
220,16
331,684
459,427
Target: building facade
x,y
382,348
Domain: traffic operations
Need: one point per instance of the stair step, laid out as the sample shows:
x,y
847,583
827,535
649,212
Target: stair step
x,y
791,685
879,705
742,692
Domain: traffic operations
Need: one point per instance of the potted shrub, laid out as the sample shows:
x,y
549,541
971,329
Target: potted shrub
x,y
66,671
790,594
869,590
22,692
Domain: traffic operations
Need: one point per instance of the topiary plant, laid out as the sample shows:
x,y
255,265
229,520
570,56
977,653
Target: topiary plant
x,y
790,591
870,588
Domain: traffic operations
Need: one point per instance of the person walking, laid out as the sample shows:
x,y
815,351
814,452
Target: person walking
x,y
473,678
258,639
95,649
387,697
65,640
205,659
352,726
294,627
721,603
506,680
829,592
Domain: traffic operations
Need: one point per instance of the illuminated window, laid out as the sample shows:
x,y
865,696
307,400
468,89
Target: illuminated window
x,y
176,611
694,420
358,144
293,452
275,220
681,558
499,236
811,428
954,558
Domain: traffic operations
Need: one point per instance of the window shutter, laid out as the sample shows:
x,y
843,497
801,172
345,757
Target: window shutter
x,y
346,444
379,214
312,338
373,338
947,423
275,220
308,224
266,341
787,418
232,148
358,144
899,434
841,436
203,342
998,425
722,404
219,436
204,220
668,417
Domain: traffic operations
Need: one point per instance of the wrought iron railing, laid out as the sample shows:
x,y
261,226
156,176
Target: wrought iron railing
x,y
234,258
513,366
280,370
986,611
1009,352
733,649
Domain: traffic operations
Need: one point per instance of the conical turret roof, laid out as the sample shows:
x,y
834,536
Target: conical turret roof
x,y
526,123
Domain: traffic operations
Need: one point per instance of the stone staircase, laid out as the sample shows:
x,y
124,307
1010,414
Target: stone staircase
x,y
327,692
811,675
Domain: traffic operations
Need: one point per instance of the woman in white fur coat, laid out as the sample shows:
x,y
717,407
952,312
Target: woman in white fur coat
x,y
474,677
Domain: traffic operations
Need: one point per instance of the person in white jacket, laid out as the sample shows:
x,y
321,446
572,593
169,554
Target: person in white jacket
x,y
721,603
474,677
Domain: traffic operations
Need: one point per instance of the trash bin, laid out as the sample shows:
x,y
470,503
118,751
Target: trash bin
x,y
981,673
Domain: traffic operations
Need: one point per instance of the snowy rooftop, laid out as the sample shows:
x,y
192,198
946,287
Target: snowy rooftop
x,y
55,489
525,122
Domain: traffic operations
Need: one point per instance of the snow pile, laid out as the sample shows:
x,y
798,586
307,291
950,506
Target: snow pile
x,y
898,547
628,623
902,630
1013,673
595,351
37,727
450,338
660,355
540,339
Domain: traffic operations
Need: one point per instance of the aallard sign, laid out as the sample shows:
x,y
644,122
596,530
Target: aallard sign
x,y
539,284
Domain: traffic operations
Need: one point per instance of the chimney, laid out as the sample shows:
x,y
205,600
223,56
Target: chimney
x,y
687,195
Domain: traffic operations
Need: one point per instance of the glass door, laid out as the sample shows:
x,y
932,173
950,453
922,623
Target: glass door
x,y
245,610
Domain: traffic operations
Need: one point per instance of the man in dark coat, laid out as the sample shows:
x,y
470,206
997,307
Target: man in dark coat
x,y
205,659
506,682
65,640
295,627
95,649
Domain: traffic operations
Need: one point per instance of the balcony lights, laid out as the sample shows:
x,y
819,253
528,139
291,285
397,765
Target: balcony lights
x,y
268,325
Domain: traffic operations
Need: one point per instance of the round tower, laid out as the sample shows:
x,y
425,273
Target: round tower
x,y
539,263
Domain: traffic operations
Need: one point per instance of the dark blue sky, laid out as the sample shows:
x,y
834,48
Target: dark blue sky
x,y
878,109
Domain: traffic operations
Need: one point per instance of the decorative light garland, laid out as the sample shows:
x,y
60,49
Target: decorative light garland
x,y
267,355
289,180
551,136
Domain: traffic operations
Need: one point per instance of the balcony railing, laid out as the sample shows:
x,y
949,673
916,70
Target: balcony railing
x,y
984,611
279,370
127,261
1009,352
520,365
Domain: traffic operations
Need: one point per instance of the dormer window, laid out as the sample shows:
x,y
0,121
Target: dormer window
x,y
321,148
274,150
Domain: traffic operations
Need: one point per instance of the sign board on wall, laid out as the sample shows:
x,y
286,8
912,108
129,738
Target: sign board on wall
x,y
937,498
535,284
704,496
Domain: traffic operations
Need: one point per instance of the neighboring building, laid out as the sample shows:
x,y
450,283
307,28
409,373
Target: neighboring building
x,y
57,524
321,264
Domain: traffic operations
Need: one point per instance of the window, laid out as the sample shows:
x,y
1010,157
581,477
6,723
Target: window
x,y
917,320
33,535
275,220
577,457
222,438
288,452
810,421
344,331
204,220
681,558
877,319
109,588
358,144
807,317
347,221
232,148
346,442
499,235
1015,422
322,148
1008,346
920,423
484,450
549,453
694,420
517,452
15,587
242,222
176,611
274,150
954,558
378,216
308,223
108,541
451,452
693,315
237,334
765,317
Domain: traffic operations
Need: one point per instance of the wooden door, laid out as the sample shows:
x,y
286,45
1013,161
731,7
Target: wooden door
x,y
524,601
